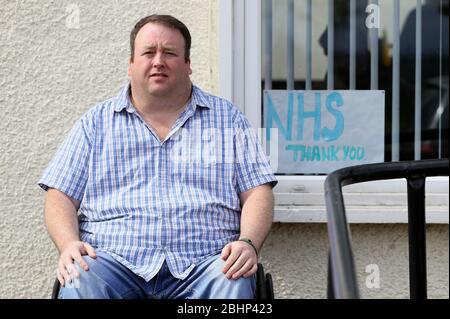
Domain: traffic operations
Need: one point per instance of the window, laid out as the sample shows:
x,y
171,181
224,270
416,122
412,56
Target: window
x,y
354,58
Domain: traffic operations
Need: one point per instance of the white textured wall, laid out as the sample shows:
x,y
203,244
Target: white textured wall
x,y
50,74
296,256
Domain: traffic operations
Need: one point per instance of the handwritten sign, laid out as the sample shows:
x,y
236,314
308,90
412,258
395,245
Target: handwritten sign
x,y
321,131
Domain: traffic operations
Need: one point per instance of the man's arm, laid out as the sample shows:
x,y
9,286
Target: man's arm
x,y
256,220
62,224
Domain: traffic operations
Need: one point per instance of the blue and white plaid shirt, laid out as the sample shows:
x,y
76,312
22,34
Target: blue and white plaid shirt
x,y
143,200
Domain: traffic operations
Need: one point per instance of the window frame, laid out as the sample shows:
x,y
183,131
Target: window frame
x,y
301,198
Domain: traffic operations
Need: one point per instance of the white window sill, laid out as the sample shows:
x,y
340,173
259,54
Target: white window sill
x,y
300,199
358,214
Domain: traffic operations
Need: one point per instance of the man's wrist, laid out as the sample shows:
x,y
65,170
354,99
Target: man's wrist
x,y
249,241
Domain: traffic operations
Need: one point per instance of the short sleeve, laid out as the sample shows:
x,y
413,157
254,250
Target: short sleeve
x,y
252,167
68,170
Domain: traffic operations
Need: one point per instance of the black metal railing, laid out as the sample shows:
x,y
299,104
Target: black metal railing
x,y
342,281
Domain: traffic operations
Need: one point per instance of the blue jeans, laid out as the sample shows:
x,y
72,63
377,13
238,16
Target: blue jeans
x,y
108,279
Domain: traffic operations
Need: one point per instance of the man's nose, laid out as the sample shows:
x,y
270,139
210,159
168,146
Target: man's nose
x,y
158,60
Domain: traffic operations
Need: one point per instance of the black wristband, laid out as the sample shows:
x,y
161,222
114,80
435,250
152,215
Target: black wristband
x,y
248,241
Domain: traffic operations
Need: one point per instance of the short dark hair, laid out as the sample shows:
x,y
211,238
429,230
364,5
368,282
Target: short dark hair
x,y
167,21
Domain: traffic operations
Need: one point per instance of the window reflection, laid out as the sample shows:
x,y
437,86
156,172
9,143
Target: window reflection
x,y
434,71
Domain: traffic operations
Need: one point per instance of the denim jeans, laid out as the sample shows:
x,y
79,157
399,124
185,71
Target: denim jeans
x,y
108,279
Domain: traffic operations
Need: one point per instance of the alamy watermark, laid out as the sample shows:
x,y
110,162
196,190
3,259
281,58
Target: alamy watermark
x,y
74,282
373,19
224,146
73,17
373,279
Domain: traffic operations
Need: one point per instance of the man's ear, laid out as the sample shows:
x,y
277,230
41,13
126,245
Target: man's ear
x,y
129,67
188,62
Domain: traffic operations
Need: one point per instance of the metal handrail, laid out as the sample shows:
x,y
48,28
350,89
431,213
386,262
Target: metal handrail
x,y
342,281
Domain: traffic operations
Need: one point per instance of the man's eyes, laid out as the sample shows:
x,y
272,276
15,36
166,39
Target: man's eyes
x,y
171,53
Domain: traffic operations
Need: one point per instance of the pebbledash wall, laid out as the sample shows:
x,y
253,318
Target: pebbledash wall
x,y
60,58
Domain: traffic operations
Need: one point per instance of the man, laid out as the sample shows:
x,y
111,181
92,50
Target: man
x,y
160,192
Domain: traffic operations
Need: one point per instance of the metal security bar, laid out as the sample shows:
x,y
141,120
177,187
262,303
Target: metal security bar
x,y
268,48
308,84
395,142
290,45
374,52
418,100
352,53
440,81
342,276
330,45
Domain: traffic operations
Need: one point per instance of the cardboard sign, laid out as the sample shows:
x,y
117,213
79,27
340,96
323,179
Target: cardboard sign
x,y
321,131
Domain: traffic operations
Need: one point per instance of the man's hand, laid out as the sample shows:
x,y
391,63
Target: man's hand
x,y
240,260
71,252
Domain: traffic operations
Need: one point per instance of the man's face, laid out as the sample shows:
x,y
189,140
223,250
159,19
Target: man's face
x,y
159,68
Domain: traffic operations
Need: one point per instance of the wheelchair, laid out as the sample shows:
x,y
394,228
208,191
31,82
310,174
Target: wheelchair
x,y
263,291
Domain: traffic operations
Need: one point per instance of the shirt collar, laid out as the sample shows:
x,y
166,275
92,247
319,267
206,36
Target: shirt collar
x,y
200,98
123,101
